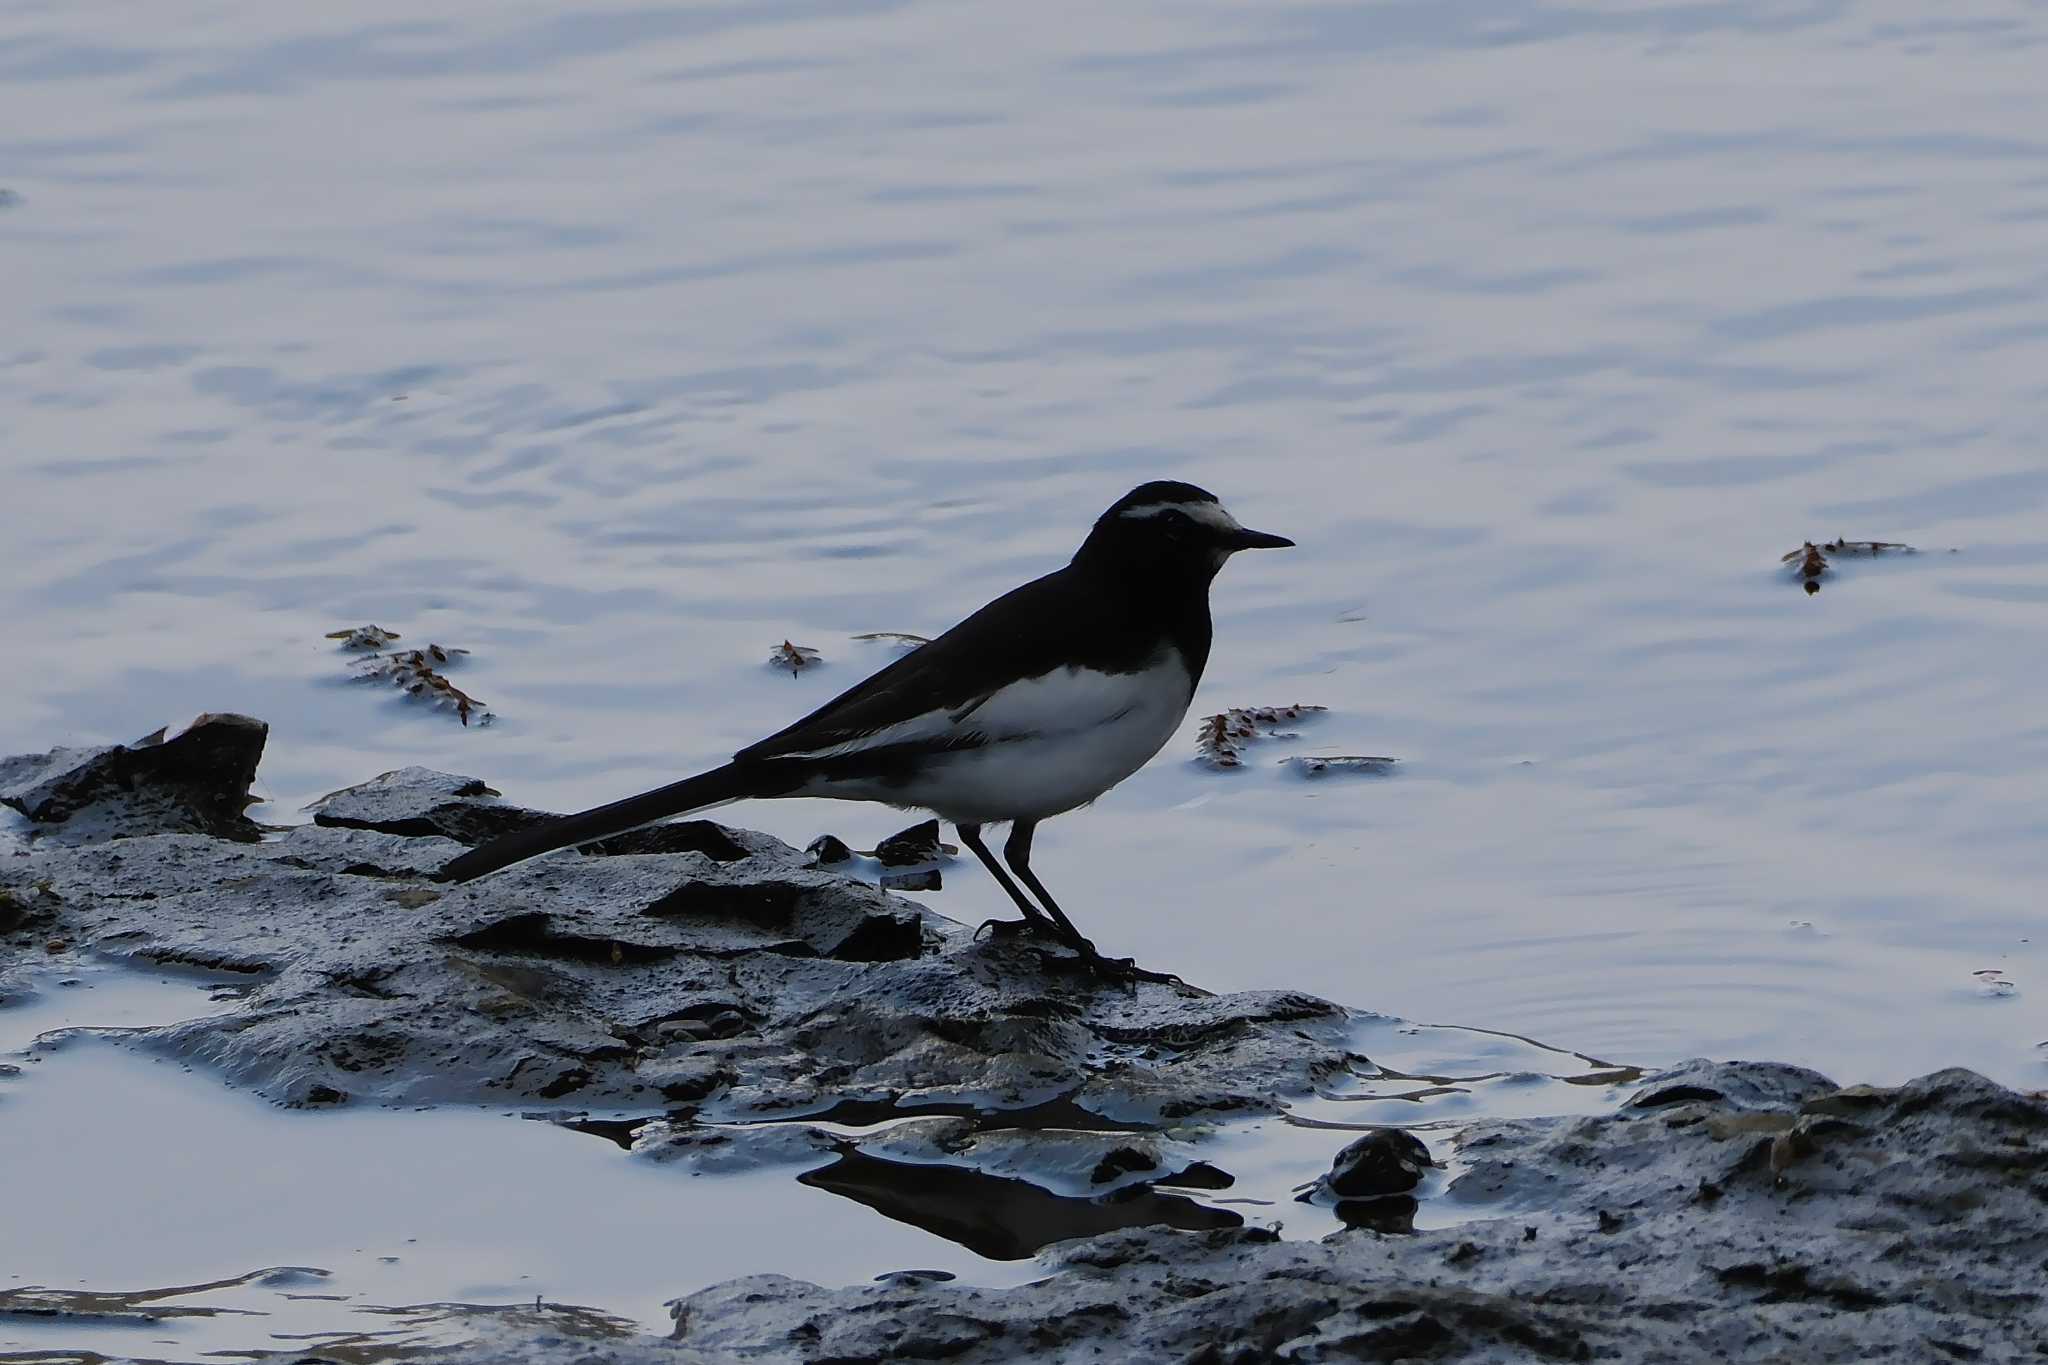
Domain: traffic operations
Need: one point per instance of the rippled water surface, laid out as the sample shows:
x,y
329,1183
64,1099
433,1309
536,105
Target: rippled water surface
x,y
620,344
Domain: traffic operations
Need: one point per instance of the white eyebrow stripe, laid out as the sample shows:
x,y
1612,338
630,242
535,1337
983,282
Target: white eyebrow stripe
x,y
1210,514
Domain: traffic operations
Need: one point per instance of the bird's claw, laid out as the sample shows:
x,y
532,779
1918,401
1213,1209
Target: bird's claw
x,y
1086,955
1126,969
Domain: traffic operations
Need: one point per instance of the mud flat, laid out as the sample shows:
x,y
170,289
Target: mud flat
x,y
753,1010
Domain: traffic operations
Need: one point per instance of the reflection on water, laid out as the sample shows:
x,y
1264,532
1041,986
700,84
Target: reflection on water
x,y
1003,1218
420,1224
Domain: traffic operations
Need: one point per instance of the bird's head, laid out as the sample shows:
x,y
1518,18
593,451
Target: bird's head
x,y
1172,527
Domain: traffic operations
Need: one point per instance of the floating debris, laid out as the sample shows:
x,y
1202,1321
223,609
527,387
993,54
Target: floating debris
x,y
417,672
895,637
364,637
1315,765
1221,740
795,658
414,671
1810,561
1993,984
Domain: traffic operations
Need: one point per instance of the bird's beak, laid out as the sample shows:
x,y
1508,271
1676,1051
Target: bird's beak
x,y
1258,540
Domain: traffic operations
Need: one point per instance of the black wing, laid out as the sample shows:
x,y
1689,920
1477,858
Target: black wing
x,y
1025,633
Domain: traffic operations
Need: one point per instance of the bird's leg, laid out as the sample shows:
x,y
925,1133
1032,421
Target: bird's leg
x,y
1034,918
1017,853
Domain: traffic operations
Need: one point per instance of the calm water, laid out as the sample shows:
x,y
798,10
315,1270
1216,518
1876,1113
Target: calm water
x,y
620,345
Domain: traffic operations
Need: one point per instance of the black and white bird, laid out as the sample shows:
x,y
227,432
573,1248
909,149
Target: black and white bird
x,y
1033,706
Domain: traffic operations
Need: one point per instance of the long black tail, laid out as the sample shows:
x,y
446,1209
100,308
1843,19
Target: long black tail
x,y
729,783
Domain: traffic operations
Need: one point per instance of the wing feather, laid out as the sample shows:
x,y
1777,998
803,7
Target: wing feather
x,y
927,698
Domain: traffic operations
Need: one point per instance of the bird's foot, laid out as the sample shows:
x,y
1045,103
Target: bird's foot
x,y
1123,970
1085,955
1126,970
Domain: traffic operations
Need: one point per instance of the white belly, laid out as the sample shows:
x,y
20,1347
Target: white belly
x,y
1048,745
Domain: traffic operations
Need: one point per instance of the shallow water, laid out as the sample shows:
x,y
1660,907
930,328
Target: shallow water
x,y
147,1174
170,1217
619,346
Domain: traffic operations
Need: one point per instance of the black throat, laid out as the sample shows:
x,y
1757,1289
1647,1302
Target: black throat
x,y
1150,599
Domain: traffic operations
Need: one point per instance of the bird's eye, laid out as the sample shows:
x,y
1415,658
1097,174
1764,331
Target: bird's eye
x,y
1176,518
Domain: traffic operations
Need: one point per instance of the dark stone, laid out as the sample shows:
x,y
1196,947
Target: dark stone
x,y
882,938
195,782
909,847
1384,1161
1200,1175
828,849
566,1083
1121,1161
683,1080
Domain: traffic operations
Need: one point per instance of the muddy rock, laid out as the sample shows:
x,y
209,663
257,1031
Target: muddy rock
x,y
1386,1161
691,965
999,1094
1912,1229
194,781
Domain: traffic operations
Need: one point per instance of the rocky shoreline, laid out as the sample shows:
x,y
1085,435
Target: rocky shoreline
x,y
736,993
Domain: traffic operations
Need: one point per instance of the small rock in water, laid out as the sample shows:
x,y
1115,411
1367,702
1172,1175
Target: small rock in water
x,y
1384,1161
1370,1179
827,849
924,879
909,847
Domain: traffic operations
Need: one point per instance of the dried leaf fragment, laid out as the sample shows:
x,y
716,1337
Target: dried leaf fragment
x,y
795,658
897,637
1810,561
416,672
1221,739
363,637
